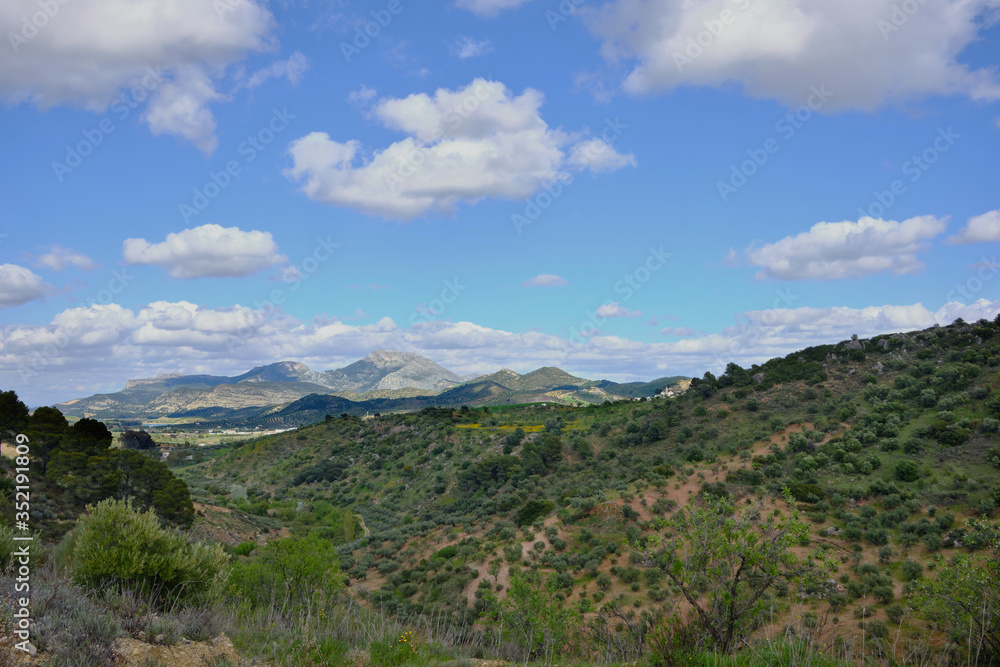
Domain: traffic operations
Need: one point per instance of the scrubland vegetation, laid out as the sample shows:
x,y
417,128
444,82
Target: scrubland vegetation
x,y
837,506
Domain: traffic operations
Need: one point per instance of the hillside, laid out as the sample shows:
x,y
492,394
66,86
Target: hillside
x,y
851,489
887,447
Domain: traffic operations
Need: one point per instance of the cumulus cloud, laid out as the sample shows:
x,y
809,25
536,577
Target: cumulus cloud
x,y
84,350
489,8
58,258
615,309
867,52
19,285
834,250
467,47
545,280
983,228
461,145
209,250
683,332
180,107
91,50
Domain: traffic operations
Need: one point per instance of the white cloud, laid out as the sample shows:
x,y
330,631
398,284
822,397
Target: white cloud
x,y
467,47
291,68
180,108
84,350
780,48
58,258
19,285
362,96
545,280
683,332
489,8
615,309
209,250
462,145
983,228
834,250
598,156
90,51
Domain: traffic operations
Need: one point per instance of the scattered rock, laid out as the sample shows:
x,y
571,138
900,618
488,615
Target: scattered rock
x,y
884,343
758,378
879,367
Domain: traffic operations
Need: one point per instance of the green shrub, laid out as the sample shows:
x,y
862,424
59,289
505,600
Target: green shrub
x,y
533,509
292,570
906,471
117,544
894,613
877,628
447,552
243,548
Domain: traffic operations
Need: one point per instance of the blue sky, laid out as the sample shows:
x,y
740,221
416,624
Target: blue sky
x,y
624,189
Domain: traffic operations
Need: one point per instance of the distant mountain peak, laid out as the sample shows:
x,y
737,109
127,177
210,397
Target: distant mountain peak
x,y
392,356
391,370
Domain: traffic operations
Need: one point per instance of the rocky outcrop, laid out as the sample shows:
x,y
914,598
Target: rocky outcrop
x,y
133,653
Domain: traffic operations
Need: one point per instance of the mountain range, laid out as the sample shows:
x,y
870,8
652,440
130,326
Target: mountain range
x,y
290,393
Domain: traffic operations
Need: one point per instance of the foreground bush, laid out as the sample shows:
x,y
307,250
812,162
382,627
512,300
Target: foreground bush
x,y
115,544
292,571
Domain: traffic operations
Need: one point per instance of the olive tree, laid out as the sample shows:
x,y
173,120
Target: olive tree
x,y
964,598
725,559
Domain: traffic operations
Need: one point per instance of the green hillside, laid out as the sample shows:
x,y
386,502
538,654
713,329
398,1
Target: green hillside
x,y
832,506
887,447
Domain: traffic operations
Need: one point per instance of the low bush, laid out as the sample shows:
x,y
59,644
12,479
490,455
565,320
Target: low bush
x,y
114,544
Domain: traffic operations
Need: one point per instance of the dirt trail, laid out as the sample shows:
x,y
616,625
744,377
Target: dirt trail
x,y
364,527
